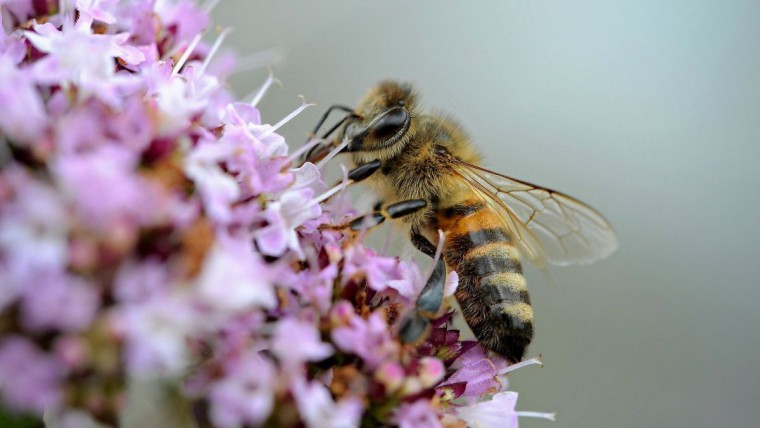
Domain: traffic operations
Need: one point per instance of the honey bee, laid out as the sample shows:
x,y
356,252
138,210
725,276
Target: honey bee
x,y
429,175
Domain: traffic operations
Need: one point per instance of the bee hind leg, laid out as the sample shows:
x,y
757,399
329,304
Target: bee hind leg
x,y
415,326
431,297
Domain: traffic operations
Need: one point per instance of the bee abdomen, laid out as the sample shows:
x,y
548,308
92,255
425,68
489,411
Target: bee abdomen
x,y
492,291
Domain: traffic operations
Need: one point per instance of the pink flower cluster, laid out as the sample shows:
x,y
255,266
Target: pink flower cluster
x,y
152,227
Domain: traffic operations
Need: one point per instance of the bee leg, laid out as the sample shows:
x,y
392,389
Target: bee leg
x,y
399,209
361,172
414,328
421,243
329,110
431,296
430,299
319,151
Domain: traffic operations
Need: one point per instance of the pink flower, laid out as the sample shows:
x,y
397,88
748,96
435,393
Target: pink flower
x,y
296,342
137,282
84,59
102,10
151,226
20,9
318,409
177,99
24,118
419,414
218,189
57,300
106,190
29,378
499,412
234,277
156,333
284,216
370,339
478,376
182,17
380,271
245,395
33,229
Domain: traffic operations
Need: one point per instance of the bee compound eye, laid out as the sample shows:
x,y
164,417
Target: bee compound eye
x,y
390,124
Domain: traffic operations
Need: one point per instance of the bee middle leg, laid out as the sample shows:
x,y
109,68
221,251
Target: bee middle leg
x,y
382,213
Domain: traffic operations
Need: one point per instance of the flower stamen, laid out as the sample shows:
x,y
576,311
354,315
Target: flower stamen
x,y
334,152
214,49
209,5
260,59
539,415
521,364
313,142
264,88
329,193
186,55
287,118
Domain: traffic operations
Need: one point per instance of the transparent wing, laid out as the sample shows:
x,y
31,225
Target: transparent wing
x,y
549,226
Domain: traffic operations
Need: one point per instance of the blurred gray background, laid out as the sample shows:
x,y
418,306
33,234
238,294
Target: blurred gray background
x,y
648,110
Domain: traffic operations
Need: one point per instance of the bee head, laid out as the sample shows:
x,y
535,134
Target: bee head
x,y
385,116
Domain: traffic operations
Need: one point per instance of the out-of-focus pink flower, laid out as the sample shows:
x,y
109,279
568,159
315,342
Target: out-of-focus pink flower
x,y
20,9
74,419
183,17
431,371
318,409
419,414
57,300
85,59
137,282
29,378
24,118
136,17
370,338
234,278
296,342
12,47
315,289
391,374
102,10
106,190
498,412
156,334
245,395
33,228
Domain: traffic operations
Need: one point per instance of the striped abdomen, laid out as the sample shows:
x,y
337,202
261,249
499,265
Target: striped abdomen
x,y
491,292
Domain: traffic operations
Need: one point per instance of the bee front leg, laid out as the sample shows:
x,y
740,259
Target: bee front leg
x,y
317,152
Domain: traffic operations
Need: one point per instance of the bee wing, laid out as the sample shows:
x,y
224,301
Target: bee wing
x,y
549,226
